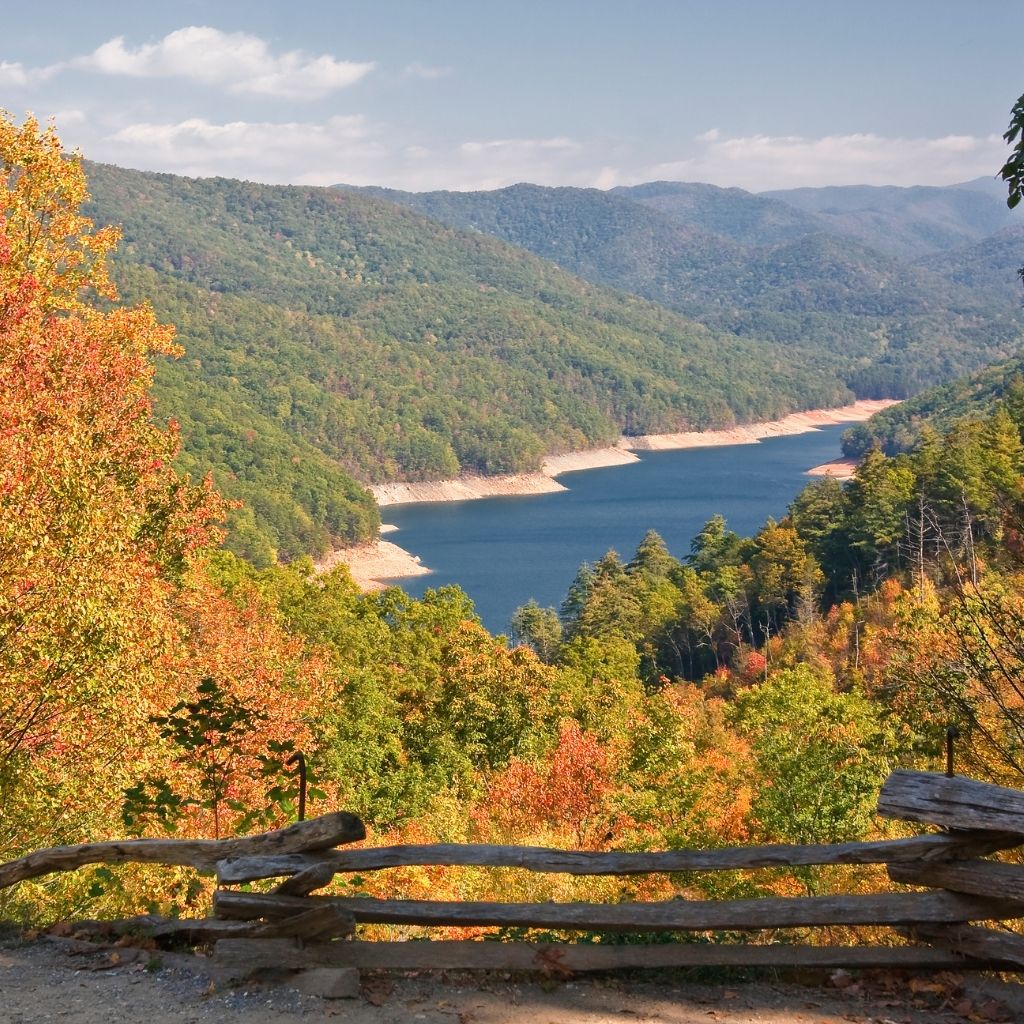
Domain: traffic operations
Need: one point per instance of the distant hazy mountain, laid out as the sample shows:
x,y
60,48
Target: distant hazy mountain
x,y
761,267
905,222
991,185
728,212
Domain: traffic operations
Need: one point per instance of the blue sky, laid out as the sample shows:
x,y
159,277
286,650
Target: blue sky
x,y
425,94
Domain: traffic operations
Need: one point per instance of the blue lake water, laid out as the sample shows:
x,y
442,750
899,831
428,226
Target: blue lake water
x,y
503,551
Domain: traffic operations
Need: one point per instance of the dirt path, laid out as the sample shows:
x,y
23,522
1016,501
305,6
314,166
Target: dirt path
x,y
43,981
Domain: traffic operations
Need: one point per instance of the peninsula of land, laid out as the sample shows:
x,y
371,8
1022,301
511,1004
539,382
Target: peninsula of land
x,y
838,469
372,563
377,561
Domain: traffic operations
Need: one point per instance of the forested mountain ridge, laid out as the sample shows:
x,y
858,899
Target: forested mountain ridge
x,y
906,222
758,267
988,268
732,213
332,336
972,398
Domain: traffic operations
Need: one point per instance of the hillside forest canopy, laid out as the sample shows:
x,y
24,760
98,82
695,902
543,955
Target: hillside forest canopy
x,y
756,690
337,338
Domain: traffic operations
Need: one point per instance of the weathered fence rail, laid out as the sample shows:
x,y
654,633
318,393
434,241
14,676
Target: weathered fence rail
x,y
917,850
292,928
670,915
204,854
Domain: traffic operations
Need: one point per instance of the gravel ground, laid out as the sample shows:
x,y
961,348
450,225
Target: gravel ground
x,y
64,981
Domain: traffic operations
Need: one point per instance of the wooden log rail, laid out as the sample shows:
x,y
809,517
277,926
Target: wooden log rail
x,y
919,849
979,819
670,915
204,854
952,802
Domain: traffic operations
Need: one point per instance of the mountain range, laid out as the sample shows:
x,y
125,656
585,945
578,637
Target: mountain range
x,y
338,337
867,274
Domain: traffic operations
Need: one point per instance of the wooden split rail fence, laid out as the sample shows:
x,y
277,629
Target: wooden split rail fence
x,y
292,928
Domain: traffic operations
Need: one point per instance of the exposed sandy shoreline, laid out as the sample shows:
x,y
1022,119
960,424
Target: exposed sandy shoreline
x,y
380,560
840,469
752,433
375,561
464,488
468,488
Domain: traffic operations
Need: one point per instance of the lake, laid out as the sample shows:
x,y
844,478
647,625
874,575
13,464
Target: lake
x,y
503,551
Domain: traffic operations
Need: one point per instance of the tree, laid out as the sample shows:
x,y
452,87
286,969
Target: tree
x,y
880,497
538,628
652,557
1012,172
819,756
784,572
97,530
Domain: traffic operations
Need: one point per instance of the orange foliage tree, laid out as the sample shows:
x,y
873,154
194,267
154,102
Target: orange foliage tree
x,y
566,793
95,526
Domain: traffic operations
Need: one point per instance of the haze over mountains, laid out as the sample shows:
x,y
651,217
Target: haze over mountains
x,y
335,335
868,274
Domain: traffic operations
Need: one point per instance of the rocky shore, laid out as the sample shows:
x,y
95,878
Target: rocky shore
x,y
379,560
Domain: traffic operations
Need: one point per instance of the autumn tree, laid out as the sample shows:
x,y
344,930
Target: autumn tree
x,y
96,528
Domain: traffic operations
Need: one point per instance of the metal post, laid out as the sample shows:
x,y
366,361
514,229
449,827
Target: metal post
x,y
299,758
952,733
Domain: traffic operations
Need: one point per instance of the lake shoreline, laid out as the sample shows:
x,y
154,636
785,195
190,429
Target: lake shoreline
x,y
375,561
375,564
838,469
469,488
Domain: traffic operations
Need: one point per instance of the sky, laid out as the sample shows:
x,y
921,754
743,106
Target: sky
x,y
479,94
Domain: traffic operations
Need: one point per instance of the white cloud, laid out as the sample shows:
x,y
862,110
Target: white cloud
x,y
342,149
65,118
607,177
265,151
354,150
236,61
15,73
760,162
12,73
517,147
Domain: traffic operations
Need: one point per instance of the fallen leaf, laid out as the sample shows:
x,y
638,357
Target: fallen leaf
x,y
377,991
994,1010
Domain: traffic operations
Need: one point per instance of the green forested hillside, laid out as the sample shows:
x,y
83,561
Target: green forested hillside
x,y
727,212
898,429
989,268
906,222
330,335
762,269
